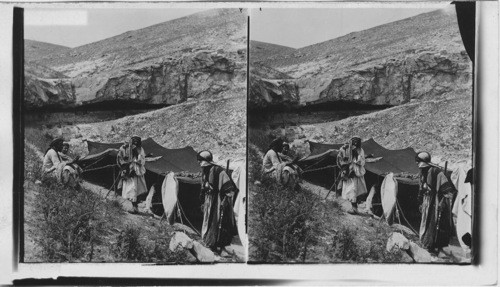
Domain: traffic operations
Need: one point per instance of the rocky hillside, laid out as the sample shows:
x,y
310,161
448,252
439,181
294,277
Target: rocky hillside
x,y
45,87
421,57
271,88
216,125
442,127
200,56
260,51
34,50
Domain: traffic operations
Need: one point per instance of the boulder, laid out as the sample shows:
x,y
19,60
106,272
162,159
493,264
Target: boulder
x,y
180,240
397,241
202,253
419,254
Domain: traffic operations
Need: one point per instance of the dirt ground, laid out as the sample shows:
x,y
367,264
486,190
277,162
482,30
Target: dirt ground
x,y
368,226
117,220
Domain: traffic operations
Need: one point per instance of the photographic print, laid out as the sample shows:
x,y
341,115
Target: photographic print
x,y
134,126
360,136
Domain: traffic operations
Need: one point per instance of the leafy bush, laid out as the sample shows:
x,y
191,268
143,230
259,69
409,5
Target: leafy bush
x,y
344,246
284,221
69,228
130,246
32,165
127,245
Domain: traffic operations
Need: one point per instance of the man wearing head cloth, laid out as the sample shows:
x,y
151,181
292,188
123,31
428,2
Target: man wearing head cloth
x,y
52,158
271,158
435,195
354,184
218,191
131,159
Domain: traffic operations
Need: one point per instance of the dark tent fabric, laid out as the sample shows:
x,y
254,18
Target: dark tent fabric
x,y
396,161
189,200
320,148
320,168
100,167
175,160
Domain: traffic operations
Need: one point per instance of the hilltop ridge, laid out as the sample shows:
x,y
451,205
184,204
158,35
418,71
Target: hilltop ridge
x,y
202,55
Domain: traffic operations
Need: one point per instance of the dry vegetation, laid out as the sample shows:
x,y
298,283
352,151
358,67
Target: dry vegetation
x,y
63,224
298,226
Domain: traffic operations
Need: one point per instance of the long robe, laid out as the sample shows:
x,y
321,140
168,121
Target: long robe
x,y
132,182
355,185
218,206
436,226
271,161
50,162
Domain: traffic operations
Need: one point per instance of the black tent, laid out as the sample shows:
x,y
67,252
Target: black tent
x,y
100,167
320,168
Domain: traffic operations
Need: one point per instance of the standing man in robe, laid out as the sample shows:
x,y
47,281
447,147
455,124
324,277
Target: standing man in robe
x,y
131,159
435,195
354,185
218,190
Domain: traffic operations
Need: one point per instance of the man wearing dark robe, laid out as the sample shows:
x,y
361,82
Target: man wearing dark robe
x,y
218,191
435,195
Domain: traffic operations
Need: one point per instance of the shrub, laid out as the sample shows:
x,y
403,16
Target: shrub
x,y
130,246
127,245
284,221
344,247
69,225
32,165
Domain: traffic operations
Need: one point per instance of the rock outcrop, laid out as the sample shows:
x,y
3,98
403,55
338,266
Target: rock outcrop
x,y
397,81
40,92
200,56
172,82
421,57
272,93
271,88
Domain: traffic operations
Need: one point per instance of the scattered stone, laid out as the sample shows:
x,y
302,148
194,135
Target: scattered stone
x,y
180,240
399,241
202,253
418,253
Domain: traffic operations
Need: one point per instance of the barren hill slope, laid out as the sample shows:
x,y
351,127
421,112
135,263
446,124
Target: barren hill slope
x,y
442,127
216,125
419,57
262,50
201,56
34,50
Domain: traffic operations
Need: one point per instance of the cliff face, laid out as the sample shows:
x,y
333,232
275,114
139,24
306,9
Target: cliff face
x,y
272,93
39,92
397,81
421,57
204,74
200,56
